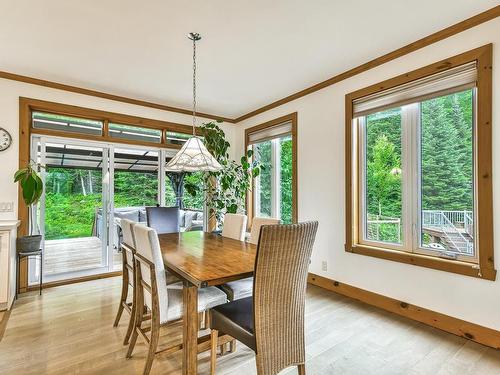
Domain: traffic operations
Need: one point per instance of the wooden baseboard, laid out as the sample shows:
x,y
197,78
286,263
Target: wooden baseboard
x,y
53,284
462,328
4,318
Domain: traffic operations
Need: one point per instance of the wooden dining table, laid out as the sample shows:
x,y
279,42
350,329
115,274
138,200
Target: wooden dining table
x,y
201,260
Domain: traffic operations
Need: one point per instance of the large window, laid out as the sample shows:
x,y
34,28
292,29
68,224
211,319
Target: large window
x,y
415,192
274,189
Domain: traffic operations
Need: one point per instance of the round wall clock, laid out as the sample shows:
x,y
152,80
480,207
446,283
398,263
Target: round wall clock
x,y
5,139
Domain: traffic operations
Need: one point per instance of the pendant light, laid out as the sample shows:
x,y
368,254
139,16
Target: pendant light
x,y
193,156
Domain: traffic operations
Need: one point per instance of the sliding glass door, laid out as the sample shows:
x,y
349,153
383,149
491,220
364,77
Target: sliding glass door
x,y
72,214
89,188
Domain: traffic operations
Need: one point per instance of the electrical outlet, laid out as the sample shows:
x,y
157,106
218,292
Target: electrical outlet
x,y
324,265
6,206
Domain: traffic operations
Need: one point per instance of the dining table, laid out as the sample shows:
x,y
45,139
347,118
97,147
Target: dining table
x,y
200,259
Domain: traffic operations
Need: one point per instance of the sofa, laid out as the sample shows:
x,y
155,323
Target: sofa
x,y
190,220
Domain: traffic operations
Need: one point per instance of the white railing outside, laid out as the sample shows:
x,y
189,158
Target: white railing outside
x,y
448,222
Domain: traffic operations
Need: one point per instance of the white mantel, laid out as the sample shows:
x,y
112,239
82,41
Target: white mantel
x,y
8,232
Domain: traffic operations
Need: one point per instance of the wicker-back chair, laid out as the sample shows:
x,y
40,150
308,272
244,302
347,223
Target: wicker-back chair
x,y
128,275
272,321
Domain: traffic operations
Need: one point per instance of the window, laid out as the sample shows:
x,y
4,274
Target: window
x,y
415,193
51,121
134,133
274,189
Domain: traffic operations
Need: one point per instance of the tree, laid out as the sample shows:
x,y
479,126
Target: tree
x,y
444,182
384,179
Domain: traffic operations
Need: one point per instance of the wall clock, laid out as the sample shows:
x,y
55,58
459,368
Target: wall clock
x,y
5,139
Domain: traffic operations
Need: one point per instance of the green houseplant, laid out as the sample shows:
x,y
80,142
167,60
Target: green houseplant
x,y
225,191
32,189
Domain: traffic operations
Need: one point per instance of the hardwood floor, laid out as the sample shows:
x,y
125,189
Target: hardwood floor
x,y
68,330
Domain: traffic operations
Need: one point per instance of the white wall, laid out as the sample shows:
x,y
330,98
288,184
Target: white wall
x,y
321,190
10,91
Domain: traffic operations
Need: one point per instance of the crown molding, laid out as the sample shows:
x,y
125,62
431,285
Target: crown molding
x,y
457,28
409,48
105,95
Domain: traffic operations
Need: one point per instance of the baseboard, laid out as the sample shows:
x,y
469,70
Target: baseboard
x,y
82,279
3,322
462,328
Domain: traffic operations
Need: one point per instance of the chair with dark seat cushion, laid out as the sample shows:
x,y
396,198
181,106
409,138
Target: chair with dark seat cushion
x,y
272,321
163,219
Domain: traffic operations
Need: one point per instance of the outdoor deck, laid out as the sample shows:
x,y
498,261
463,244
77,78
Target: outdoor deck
x,y
74,254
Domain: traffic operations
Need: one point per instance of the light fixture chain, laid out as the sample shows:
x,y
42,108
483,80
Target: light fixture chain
x,y
194,86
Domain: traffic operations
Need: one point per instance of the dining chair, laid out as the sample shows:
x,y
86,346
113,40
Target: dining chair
x,y
243,288
128,272
164,220
234,226
271,323
157,303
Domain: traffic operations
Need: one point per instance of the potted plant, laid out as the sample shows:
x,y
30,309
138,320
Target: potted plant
x,y
225,191
32,189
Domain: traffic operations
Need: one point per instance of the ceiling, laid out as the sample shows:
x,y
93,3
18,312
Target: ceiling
x,y
252,52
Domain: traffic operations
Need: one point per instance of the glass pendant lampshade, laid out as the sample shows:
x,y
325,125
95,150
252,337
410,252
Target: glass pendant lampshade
x,y
193,156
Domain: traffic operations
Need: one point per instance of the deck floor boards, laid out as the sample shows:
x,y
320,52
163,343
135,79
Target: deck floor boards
x,y
74,254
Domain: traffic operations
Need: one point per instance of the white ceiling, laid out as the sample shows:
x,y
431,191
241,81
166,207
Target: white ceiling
x,y
252,52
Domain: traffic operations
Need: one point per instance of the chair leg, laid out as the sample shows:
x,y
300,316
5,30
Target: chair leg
x,y
302,369
138,315
130,328
123,299
232,346
153,344
214,335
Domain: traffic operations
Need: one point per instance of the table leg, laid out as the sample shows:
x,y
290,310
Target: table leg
x,y
190,329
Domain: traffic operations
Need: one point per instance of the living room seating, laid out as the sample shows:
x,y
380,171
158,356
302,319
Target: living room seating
x,y
188,220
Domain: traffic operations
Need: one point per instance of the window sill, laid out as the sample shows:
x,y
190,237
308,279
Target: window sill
x,y
453,266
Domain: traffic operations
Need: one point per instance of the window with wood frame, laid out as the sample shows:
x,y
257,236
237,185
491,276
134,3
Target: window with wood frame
x,y
418,162
274,192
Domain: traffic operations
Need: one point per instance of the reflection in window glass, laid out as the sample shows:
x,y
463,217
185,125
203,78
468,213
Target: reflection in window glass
x,y
383,176
66,123
264,183
286,164
134,133
447,194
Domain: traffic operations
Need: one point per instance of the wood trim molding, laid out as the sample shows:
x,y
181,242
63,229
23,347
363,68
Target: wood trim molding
x,y
462,328
27,106
485,269
292,117
409,48
457,28
105,95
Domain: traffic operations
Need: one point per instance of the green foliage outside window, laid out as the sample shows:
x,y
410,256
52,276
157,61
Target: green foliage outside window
x,y
446,160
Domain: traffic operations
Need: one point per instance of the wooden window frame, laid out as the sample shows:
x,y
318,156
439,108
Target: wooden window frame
x,y
485,268
292,118
27,106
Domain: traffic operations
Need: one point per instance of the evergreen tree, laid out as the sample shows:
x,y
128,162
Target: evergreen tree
x,y
444,183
